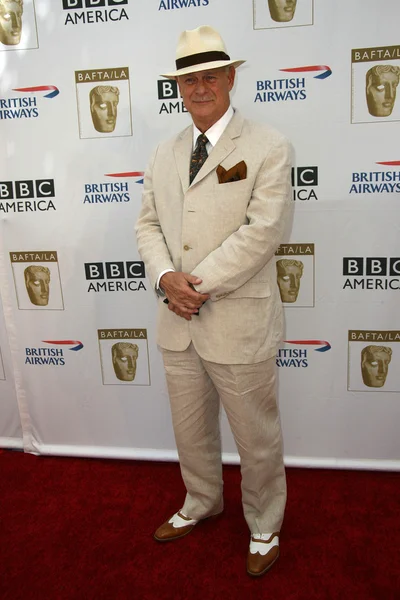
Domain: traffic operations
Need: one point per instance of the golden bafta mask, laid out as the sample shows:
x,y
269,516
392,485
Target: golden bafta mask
x,y
103,107
375,365
37,282
381,85
282,11
11,21
289,273
124,356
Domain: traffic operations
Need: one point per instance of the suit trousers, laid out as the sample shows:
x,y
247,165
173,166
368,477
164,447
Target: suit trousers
x,y
248,395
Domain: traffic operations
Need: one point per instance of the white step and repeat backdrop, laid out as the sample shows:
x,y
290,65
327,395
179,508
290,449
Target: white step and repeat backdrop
x,y
81,107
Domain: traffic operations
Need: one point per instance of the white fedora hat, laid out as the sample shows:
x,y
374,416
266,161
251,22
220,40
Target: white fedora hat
x,y
200,49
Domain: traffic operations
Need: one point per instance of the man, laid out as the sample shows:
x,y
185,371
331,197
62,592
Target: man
x,y
104,101
208,232
381,87
11,21
37,283
289,272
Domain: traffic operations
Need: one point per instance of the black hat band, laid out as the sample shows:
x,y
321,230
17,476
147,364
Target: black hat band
x,y
201,57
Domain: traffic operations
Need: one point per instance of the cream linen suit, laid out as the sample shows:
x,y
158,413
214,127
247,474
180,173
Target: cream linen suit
x,y
226,234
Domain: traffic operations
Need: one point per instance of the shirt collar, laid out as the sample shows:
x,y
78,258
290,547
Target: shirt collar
x,y
214,133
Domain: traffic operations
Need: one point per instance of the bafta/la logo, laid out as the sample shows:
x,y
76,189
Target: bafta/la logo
x,y
295,271
37,280
26,107
124,356
50,356
268,14
375,79
377,182
371,354
17,25
111,192
292,88
299,357
94,11
104,102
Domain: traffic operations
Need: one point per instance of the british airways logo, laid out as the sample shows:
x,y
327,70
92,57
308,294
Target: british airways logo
x,y
172,4
55,357
382,181
25,107
299,357
292,88
112,192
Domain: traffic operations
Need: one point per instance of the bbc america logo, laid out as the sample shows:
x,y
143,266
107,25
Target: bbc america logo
x,y
168,92
118,276
94,11
27,195
304,182
371,273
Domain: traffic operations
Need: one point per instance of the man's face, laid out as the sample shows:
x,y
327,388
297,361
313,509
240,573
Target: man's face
x,y
282,10
206,95
38,287
374,367
10,22
104,111
381,93
288,281
124,361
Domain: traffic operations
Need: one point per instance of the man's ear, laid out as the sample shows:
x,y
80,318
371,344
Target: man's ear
x,y
231,76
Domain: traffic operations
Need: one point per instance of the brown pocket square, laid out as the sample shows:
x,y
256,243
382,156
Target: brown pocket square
x,y
236,173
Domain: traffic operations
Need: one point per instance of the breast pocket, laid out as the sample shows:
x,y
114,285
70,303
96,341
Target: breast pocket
x,y
231,199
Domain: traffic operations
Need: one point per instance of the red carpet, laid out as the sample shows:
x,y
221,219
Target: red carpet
x,y
81,529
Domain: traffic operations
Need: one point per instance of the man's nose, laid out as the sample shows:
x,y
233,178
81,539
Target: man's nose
x,y
292,282
201,87
44,287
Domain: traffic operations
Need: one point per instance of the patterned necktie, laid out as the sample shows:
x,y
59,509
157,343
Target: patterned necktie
x,y
199,157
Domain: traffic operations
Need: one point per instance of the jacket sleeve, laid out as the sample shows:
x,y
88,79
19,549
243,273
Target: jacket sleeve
x,y
150,239
249,249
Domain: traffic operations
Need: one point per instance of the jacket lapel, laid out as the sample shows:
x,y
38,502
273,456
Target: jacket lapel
x,y
225,145
223,148
182,152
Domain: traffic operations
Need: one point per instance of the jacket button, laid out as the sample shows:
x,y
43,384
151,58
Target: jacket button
x,y
186,247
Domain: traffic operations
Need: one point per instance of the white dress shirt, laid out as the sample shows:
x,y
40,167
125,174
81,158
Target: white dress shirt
x,y
213,134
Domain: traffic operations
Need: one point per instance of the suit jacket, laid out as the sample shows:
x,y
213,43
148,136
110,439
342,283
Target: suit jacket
x,y
226,234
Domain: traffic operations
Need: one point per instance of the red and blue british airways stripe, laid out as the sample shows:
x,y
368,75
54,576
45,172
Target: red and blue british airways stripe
x,y
54,91
324,346
77,345
326,71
